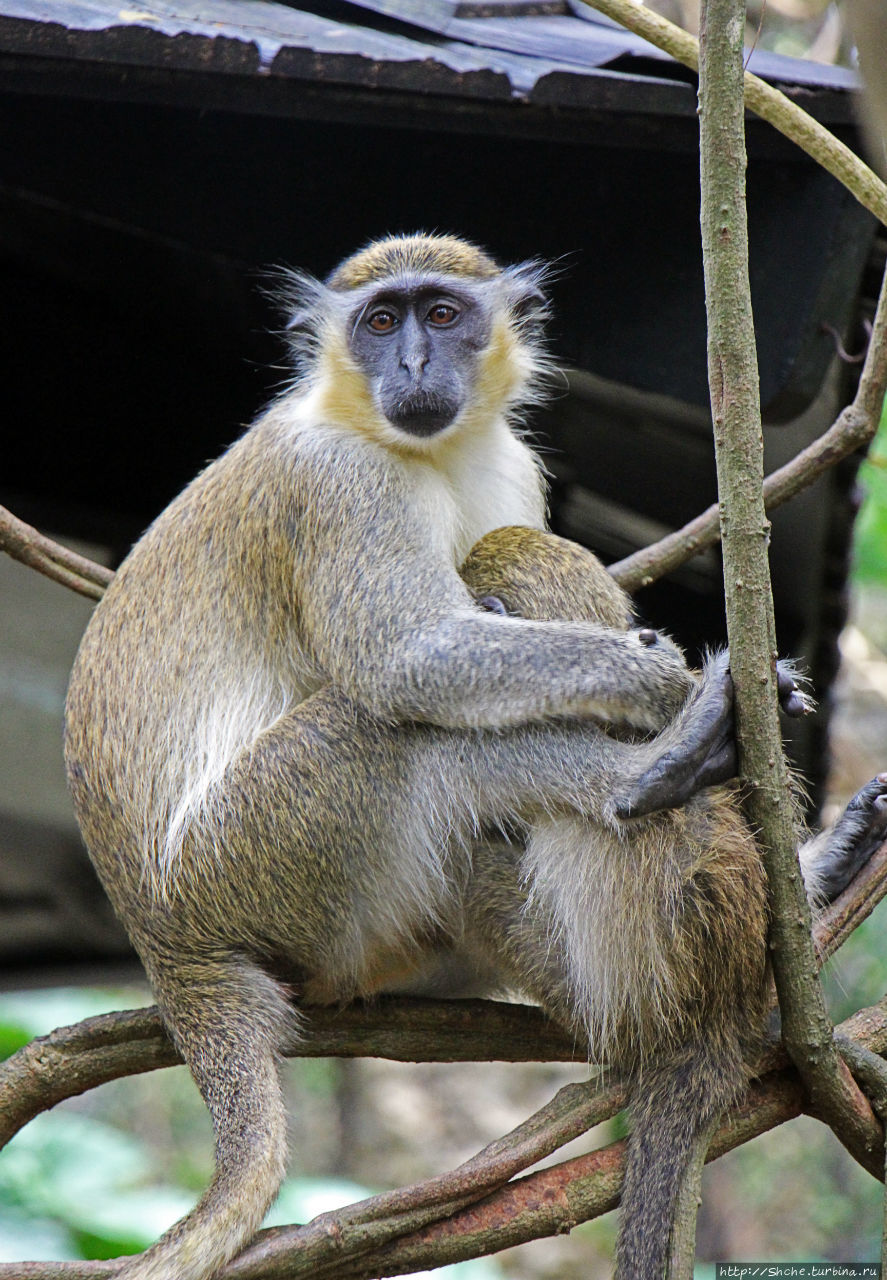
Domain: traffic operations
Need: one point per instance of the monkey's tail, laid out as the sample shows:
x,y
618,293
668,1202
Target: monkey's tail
x,y
231,1021
675,1102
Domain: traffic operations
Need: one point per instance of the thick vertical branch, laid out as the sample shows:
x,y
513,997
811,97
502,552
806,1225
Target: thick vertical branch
x,y
745,531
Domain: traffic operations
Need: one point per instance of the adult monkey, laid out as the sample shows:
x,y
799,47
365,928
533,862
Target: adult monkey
x,y
288,709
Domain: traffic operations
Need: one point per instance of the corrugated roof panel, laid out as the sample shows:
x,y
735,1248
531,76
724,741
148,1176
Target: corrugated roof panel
x,y
573,58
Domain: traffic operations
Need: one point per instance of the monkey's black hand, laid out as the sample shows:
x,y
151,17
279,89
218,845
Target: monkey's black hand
x,y
703,750
860,830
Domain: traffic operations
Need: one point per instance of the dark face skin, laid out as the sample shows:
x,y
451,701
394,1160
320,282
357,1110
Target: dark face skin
x,y
418,346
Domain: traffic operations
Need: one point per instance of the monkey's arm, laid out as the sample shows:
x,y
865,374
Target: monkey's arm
x,y
417,648
473,669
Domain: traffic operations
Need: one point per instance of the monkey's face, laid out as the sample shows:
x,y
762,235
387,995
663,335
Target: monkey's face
x,y
417,344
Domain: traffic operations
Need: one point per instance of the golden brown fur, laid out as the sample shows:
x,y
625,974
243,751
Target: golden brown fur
x,y
448,255
290,728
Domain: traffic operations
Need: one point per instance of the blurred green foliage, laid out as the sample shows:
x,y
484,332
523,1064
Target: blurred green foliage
x,y
870,535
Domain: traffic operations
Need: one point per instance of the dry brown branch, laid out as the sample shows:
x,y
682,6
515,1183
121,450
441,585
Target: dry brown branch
x,y
32,548
345,1243
853,429
71,1060
768,103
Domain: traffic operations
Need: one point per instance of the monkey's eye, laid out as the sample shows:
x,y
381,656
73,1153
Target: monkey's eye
x,y
492,604
442,314
381,321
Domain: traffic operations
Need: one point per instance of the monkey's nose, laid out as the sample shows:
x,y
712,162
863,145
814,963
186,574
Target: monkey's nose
x,y
414,363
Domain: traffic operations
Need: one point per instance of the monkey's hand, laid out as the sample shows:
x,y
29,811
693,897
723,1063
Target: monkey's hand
x,y
699,748
832,859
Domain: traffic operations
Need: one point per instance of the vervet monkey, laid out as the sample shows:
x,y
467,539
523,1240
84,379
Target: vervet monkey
x,y
290,724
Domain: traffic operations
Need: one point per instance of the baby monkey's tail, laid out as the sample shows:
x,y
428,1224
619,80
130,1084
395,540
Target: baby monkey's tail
x,y
231,1023
676,1102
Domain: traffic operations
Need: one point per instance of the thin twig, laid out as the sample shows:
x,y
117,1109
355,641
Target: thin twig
x,y
853,429
768,103
839,920
32,548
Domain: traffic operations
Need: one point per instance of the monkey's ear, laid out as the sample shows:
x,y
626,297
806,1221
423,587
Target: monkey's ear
x,y
299,296
300,321
305,305
527,300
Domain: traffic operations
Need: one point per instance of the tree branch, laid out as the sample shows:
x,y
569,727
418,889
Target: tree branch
x,y
71,1060
464,1218
32,548
766,102
853,429
735,403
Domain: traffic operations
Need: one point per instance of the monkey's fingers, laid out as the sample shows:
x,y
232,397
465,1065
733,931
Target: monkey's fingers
x,y
699,750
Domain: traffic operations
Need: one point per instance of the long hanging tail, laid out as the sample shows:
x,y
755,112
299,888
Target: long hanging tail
x,y
675,1102
230,1021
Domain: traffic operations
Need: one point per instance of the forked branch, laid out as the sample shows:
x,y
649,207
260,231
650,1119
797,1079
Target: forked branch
x,y
736,415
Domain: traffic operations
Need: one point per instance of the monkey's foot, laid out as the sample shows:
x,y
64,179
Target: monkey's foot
x,y
699,748
839,854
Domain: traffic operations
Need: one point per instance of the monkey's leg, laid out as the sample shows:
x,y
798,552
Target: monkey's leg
x,y
572,766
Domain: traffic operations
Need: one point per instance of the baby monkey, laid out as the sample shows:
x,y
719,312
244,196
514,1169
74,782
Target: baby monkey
x,y
653,930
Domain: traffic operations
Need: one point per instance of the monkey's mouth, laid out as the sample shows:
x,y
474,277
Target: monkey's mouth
x,y
421,414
